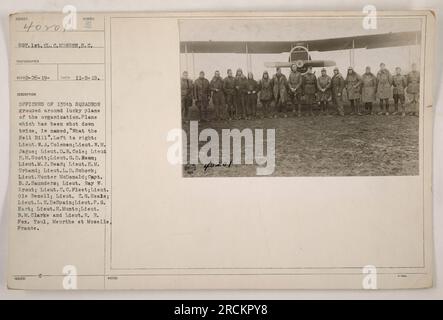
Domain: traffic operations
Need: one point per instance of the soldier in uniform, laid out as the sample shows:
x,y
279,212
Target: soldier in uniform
x,y
265,95
187,91
218,97
399,83
295,88
353,87
384,84
202,95
413,88
324,91
310,89
279,84
229,91
240,96
337,86
369,87
251,96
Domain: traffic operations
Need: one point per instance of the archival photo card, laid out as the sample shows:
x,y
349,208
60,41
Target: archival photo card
x,y
294,96
231,150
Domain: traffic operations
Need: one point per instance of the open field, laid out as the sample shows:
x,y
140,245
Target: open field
x,y
369,145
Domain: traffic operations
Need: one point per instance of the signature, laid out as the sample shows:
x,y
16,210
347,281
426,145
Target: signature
x,y
217,165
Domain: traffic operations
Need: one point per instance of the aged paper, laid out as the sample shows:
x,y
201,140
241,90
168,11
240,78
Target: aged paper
x,y
221,150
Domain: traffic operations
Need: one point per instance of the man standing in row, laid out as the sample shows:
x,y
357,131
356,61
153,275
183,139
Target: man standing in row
x,y
413,89
369,87
384,84
187,92
337,85
310,89
353,84
399,85
266,95
229,90
218,96
240,97
295,82
202,95
251,96
280,94
324,88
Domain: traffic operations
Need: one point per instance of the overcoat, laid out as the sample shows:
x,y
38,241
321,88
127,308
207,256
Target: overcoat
x,y
413,81
187,87
369,87
384,84
324,82
353,86
229,85
265,88
280,85
399,84
240,83
295,81
201,90
216,86
309,87
337,85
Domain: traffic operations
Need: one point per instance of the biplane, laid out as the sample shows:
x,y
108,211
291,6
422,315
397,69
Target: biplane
x,y
299,52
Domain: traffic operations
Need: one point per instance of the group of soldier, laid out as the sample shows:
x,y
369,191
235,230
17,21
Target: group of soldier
x,y
236,96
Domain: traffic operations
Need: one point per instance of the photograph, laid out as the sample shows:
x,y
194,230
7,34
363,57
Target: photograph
x,y
219,153
322,96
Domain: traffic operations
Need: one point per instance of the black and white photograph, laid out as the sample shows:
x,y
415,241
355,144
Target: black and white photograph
x,y
303,96
245,151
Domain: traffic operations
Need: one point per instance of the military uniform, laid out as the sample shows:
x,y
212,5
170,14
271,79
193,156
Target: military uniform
x,y
309,89
187,91
413,83
218,97
369,87
229,91
279,87
295,82
240,96
202,95
399,83
324,91
368,90
413,89
265,95
337,86
251,97
353,88
384,84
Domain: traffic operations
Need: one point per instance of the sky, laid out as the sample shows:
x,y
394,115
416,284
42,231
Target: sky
x,y
299,29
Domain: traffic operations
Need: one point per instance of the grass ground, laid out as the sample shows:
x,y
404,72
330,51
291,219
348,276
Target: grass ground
x,y
369,145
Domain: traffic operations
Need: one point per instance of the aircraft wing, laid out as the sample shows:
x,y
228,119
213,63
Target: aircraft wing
x,y
235,47
374,41
273,47
319,63
306,63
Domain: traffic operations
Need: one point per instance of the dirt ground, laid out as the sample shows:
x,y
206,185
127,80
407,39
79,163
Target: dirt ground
x,y
368,145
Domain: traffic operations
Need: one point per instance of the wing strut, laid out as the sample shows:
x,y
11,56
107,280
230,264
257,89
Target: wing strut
x,y
186,57
248,58
352,55
193,66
